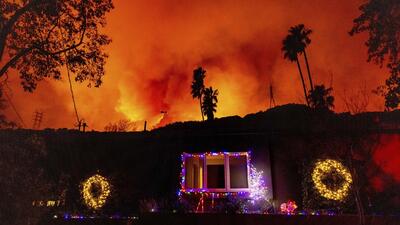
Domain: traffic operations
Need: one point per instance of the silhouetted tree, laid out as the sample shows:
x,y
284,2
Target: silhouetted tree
x,y
198,86
123,125
290,50
380,18
301,34
357,100
210,101
38,37
4,123
320,98
2,107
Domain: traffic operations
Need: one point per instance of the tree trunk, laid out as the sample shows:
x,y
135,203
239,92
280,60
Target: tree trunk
x,y
13,60
201,109
359,204
308,70
302,81
356,189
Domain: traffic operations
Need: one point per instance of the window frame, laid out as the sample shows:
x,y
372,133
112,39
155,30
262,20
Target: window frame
x,y
227,177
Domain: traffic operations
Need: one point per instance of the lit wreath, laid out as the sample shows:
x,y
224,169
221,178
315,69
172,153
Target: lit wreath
x,y
321,169
103,188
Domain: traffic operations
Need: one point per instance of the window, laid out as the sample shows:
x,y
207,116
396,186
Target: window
x,y
194,172
216,172
238,171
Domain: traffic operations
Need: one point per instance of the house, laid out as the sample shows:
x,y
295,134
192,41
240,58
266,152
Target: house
x,y
195,158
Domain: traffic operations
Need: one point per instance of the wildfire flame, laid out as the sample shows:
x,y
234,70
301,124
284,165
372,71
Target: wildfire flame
x,y
157,44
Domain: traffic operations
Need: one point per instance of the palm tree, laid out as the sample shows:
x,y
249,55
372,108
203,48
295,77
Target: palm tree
x,y
320,98
210,101
198,86
301,33
290,51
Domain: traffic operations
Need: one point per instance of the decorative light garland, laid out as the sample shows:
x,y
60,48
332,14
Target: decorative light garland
x,y
96,202
321,169
215,194
258,189
47,203
205,191
253,199
288,207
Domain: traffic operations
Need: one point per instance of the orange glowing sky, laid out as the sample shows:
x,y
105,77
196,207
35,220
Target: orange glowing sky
x,y
157,44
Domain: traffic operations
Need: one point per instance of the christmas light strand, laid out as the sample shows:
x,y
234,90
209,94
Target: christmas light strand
x,y
96,202
258,189
288,207
185,190
322,169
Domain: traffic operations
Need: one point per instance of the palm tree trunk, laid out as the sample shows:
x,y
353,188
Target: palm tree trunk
x,y
302,81
201,109
308,70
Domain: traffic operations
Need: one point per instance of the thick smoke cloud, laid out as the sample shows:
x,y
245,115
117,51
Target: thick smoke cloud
x,y
157,44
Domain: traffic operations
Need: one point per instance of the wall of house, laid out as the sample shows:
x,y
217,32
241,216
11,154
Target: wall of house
x,y
147,165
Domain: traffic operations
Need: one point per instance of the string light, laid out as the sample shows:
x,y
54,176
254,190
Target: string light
x,y
254,198
288,207
96,202
322,169
185,190
46,203
258,189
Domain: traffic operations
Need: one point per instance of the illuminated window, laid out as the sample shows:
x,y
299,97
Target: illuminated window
x,y
194,172
216,172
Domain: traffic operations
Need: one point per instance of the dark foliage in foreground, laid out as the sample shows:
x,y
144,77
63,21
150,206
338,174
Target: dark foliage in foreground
x,y
381,20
